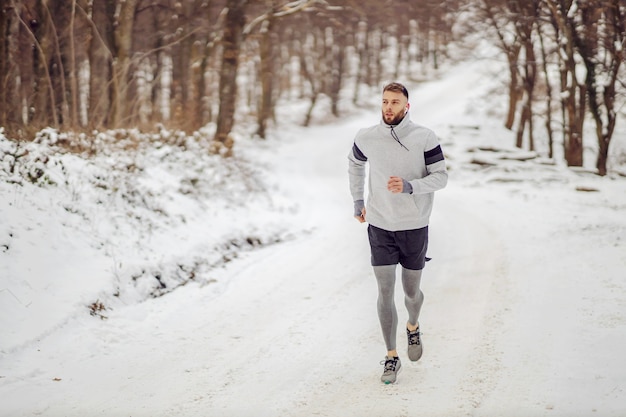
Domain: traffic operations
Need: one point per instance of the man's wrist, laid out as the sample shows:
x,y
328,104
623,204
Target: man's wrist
x,y
407,187
359,205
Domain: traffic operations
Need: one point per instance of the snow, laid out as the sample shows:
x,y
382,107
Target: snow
x,y
243,287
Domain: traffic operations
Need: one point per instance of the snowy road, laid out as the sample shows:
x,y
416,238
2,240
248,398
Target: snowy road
x,y
513,324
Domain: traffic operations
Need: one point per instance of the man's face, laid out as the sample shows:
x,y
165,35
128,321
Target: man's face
x,y
394,107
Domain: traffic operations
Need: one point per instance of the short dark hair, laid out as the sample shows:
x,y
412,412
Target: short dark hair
x,y
398,88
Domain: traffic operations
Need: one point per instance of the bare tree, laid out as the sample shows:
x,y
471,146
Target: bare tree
x,y
177,62
548,83
268,46
311,64
44,102
63,61
267,57
573,91
600,42
100,40
527,14
122,50
9,72
493,10
231,46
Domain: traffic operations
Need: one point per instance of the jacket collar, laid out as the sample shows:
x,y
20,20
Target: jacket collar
x,y
396,132
400,126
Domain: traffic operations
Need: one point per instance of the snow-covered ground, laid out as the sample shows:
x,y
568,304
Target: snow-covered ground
x,y
243,288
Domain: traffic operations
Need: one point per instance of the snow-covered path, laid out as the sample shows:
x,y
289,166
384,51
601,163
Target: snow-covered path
x,y
524,315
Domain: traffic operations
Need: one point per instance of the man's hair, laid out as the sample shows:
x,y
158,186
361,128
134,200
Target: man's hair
x,y
397,88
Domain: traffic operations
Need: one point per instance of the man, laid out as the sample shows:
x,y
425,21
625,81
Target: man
x,y
406,167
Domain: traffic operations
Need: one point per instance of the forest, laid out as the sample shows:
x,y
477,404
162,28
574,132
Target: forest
x,y
93,65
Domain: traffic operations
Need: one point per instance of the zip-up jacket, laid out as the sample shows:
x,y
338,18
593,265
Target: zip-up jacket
x,y
409,151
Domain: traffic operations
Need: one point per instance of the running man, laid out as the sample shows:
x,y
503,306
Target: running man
x,y
406,167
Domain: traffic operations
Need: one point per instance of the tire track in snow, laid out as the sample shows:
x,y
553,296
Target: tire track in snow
x,y
469,294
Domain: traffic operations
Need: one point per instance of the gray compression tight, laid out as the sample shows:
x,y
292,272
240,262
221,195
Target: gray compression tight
x,y
413,299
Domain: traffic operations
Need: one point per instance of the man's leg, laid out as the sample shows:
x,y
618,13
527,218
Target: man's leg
x,y
413,296
387,314
413,299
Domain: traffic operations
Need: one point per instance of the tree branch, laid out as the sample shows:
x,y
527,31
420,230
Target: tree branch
x,y
286,10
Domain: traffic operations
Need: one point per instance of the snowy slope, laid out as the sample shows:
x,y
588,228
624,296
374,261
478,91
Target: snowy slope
x,y
525,311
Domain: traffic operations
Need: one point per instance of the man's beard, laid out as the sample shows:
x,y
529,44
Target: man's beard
x,y
396,119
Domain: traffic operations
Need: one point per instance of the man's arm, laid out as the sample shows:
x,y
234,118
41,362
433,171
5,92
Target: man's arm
x,y
356,174
437,177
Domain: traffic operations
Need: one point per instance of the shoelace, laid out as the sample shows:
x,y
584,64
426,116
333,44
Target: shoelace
x,y
396,138
414,338
390,364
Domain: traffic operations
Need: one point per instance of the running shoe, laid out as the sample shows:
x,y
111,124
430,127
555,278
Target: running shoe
x,y
392,367
415,344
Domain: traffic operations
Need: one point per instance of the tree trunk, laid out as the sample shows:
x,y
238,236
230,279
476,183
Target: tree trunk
x,y
309,62
575,109
267,58
530,71
521,126
157,112
337,70
203,107
546,73
10,103
515,94
361,40
73,69
123,39
572,92
511,49
602,30
233,33
100,63
60,64
44,103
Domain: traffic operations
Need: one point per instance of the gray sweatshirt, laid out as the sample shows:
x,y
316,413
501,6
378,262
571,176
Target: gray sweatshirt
x,y
409,151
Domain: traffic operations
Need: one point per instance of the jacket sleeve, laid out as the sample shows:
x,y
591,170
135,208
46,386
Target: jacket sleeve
x,y
437,175
356,172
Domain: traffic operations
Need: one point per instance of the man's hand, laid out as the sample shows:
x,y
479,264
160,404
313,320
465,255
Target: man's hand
x,y
395,184
361,218
359,210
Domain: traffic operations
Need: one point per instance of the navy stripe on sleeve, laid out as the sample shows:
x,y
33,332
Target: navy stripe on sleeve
x,y
434,155
358,154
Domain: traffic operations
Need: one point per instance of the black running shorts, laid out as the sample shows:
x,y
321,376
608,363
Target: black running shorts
x,y
406,247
